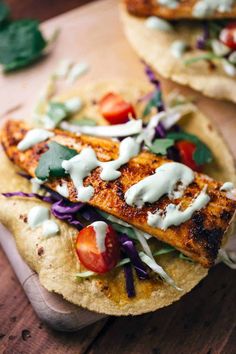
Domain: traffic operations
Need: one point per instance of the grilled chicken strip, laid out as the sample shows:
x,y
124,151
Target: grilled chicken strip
x,y
199,238
184,10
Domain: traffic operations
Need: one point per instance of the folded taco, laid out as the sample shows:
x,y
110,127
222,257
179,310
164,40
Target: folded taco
x,y
190,42
112,206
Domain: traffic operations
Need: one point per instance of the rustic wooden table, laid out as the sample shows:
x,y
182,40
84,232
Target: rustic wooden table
x,y
203,322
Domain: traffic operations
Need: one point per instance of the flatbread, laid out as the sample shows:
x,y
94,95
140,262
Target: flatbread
x,y
55,260
154,47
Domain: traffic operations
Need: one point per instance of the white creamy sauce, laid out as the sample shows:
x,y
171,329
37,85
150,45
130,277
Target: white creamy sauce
x,y
227,186
36,184
63,68
110,131
32,137
128,149
171,4
229,68
178,48
172,215
230,189
205,8
163,181
63,189
81,165
48,123
73,105
37,215
219,48
50,228
100,228
157,23
232,58
40,216
76,71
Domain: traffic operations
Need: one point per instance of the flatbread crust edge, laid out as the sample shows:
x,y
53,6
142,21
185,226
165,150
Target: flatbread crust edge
x,y
154,47
54,258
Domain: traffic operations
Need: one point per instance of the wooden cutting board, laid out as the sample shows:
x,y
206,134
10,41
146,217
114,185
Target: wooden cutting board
x,y
94,34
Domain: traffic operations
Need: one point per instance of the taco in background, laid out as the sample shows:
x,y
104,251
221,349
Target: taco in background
x,y
88,228
197,48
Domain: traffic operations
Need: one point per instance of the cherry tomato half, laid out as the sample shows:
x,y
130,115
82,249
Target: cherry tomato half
x,y
186,151
115,109
228,35
89,254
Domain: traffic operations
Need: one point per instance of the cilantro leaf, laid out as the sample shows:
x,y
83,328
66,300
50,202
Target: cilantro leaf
x,y
207,56
21,43
160,146
50,162
57,112
85,121
4,12
155,101
202,154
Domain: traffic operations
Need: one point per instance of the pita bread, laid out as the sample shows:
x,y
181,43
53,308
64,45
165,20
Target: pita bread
x,y
154,47
55,260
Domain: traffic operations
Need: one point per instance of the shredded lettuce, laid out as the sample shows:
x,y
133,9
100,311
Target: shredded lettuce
x,y
228,258
159,270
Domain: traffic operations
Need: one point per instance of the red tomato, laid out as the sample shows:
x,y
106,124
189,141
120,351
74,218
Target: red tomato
x,y
228,35
115,109
89,254
186,151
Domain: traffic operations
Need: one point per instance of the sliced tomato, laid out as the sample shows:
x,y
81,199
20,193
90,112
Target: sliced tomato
x,y
115,109
89,254
186,151
228,35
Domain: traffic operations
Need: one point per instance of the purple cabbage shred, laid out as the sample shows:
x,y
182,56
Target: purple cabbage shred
x,y
201,42
152,78
67,211
128,247
160,131
47,199
129,280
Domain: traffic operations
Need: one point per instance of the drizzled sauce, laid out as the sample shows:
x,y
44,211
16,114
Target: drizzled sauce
x,y
100,228
32,137
163,181
172,215
205,8
81,165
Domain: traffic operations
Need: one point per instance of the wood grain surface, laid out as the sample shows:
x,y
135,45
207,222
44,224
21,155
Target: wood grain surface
x,y
42,9
204,321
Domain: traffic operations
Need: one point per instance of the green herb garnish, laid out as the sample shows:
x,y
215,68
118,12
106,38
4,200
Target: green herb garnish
x,y
202,154
57,112
207,56
21,43
155,101
50,162
160,146
185,258
85,122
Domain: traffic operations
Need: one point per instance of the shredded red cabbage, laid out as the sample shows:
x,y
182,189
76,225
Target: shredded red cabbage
x,y
129,280
47,199
160,131
201,42
128,247
67,211
152,78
